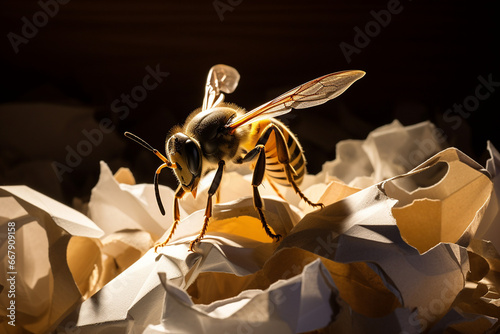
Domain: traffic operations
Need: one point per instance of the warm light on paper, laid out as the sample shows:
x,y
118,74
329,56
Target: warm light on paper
x,y
41,286
406,243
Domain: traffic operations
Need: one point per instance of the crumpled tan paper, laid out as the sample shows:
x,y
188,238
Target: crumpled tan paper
x,y
490,225
60,259
397,249
56,259
442,201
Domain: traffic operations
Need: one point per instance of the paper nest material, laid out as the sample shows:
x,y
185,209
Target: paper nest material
x,y
407,243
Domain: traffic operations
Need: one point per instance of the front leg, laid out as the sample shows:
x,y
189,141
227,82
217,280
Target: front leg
x,y
179,193
208,211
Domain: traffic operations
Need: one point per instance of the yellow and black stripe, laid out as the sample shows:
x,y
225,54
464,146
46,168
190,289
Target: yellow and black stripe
x,y
274,169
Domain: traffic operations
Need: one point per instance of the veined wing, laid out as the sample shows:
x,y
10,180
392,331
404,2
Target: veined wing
x,y
221,78
312,93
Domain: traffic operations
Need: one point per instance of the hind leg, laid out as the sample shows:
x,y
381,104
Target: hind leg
x,y
258,176
283,157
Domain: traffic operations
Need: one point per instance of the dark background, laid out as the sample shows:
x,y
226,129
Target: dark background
x,y
66,77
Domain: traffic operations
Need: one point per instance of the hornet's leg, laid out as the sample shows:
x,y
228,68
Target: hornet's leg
x,y
208,211
258,176
283,158
217,196
179,193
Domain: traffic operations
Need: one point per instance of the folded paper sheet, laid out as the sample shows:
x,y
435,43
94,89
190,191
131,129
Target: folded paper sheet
x,y
45,252
403,245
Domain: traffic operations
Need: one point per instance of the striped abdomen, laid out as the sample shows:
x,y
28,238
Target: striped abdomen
x,y
274,169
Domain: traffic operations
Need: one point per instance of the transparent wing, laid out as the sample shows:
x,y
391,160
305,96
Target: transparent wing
x,y
221,78
310,94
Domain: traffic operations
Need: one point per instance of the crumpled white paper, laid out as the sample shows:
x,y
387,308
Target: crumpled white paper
x,y
490,225
389,150
378,278
253,309
397,249
44,254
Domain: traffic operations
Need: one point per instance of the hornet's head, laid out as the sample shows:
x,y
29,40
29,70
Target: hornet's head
x,y
185,152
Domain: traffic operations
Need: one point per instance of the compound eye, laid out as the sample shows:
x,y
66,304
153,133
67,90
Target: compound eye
x,y
193,157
